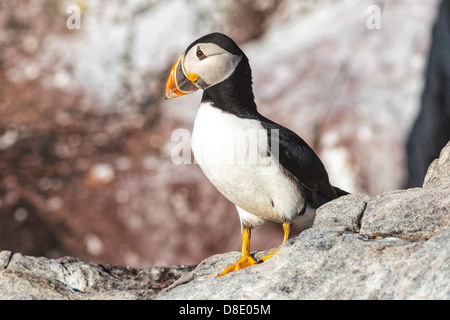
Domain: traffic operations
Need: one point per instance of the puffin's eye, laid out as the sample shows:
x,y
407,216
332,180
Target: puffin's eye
x,y
200,55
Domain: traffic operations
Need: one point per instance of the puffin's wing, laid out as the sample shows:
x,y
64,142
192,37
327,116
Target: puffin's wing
x,y
297,157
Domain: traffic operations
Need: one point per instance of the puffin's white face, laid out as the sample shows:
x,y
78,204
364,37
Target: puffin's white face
x,y
211,63
203,66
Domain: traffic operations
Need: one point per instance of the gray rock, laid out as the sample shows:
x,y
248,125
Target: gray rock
x,y
393,246
413,213
439,170
329,265
24,277
343,214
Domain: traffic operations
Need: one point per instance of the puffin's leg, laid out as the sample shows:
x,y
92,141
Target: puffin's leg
x,y
287,230
246,259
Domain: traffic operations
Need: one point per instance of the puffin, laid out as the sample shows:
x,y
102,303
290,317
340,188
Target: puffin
x,y
265,169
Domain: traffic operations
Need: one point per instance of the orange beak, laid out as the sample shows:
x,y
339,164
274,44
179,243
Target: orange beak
x,y
178,83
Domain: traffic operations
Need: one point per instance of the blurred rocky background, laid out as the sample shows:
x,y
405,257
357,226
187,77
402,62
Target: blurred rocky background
x,y
86,136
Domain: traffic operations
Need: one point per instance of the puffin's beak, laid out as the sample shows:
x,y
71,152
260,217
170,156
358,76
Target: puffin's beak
x,y
178,83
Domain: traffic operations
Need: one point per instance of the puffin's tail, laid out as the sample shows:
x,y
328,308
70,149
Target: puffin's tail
x,y
340,192
316,199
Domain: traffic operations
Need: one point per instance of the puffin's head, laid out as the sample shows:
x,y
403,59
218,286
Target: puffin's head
x,y
205,63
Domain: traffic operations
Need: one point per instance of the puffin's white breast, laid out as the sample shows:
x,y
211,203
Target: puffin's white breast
x,y
232,152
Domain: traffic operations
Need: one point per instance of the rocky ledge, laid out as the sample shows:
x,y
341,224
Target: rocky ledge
x,y
393,246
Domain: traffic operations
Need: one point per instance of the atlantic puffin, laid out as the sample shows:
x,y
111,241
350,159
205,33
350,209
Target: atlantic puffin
x,y
266,170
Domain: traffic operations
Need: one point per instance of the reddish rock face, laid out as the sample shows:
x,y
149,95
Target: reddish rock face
x,y
85,137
